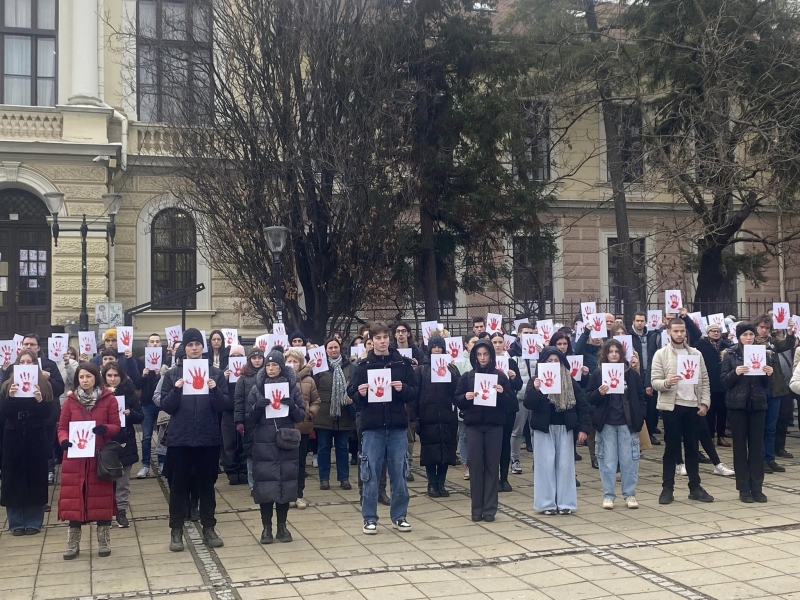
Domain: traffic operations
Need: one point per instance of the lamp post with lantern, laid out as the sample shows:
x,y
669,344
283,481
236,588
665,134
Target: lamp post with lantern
x,y
276,241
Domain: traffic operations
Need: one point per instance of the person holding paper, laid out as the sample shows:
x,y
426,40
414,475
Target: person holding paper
x,y
274,468
193,440
484,430
681,404
554,417
436,415
515,383
712,346
527,371
147,384
26,448
618,418
384,426
233,459
85,498
125,359
255,360
121,386
463,366
746,397
403,338
295,358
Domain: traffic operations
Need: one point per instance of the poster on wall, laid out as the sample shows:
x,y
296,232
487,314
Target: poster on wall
x,y
108,314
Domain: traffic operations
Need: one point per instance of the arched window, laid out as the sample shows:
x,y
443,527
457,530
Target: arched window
x,y
174,255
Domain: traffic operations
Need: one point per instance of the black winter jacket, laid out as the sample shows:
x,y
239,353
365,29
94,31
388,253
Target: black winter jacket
x,y
130,365
147,384
634,400
539,404
713,362
435,410
194,420
744,392
379,415
484,415
242,391
129,455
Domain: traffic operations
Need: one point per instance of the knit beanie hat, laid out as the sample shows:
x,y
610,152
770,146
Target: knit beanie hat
x,y
298,334
236,350
275,356
437,340
110,333
255,351
744,327
192,335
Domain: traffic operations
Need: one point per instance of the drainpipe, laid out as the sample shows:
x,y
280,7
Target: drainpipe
x,y
781,261
118,116
101,83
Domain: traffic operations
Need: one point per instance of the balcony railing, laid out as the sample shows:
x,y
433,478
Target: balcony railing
x,y
149,139
30,123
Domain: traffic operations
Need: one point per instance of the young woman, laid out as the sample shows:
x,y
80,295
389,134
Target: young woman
x,y
274,468
746,401
25,451
295,358
118,382
217,352
484,430
515,383
91,401
618,418
335,419
433,409
255,361
553,419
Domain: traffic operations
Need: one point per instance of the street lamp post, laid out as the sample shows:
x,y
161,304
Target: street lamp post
x,y
111,205
276,240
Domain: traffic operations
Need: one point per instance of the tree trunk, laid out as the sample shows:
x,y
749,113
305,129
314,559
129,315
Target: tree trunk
x,y
715,287
430,287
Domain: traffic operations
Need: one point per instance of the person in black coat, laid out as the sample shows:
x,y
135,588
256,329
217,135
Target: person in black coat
x,y
437,418
515,382
26,448
484,430
148,383
120,384
553,418
711,347
618,419
255,361
746,399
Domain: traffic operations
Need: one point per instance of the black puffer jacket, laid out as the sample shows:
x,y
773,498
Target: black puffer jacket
x,y
744,392
149,383
633,399
379,415
484,415
274,469
243,387
437,416
129,455
194,419
712,360
539,404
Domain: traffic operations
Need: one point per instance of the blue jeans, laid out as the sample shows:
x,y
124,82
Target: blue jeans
x,y
615,444
25,517
325,439
554,472
150,417
377,446
462,442
770,426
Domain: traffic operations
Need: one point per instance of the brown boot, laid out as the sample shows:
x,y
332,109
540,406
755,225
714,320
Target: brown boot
x,y
73,543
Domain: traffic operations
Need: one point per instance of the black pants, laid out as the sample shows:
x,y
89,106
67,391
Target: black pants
x,y
717,415
266,513
301,471
484,449
704,437
77,524
785,414
505,455
437,473
680,424
651,418
747,428
233,459
182,459
526,434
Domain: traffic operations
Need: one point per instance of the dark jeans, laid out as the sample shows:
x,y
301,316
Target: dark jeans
x,y
301,471
266,513
770,427
717,415
651,418
484,448
182,460
436,473
505,455
327,438
150,412
784,418
680,424
747,428
233,459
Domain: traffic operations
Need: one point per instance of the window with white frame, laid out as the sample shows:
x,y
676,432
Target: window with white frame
x,y
29,62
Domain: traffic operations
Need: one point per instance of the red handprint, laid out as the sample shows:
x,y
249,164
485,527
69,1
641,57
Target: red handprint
x,y
198,378
613,379
453,349
688,369
654,322
484,390
549,378
780,315
546,332
597,323
673,301
6,354
589,310
506,345
318,361
277,396
229,338
493,324
237,369
625,346
532,347
56,348
27,379
87,346
173,335
84,437
125,338
575,367
499,365
262,343
441,368
755,362
154,359
380,386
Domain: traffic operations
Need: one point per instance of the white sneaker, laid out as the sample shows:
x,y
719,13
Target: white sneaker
x,y
631,502
608,504
680,469
160,469
466,472
721,469
315,463
143,472
516,468
370,528
302,503
402,525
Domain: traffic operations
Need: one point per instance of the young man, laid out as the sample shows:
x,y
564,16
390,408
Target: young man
x,y
527,371
297,339
193,443
401,334
645,344
464,365
680,405
384,427
147,384
125,359
478,325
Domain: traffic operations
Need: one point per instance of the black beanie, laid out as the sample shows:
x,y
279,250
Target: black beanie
x,y
298,334
192,335
275,356
744,327
255,351
437,340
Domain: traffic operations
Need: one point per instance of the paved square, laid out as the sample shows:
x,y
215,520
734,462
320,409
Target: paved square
x,y
724,550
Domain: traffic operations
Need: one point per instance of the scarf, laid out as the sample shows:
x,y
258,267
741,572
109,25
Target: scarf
x,y
566,399
88,399
339,391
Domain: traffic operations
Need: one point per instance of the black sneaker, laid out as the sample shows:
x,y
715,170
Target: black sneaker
x,y
211,539
746,497
776,467
433,490
176,540
577,483
759,497
666,497
700,495
122,519
654,441
703,459
784,454
656,430
594,464
767,469
410,477
578,456
488,518
505,487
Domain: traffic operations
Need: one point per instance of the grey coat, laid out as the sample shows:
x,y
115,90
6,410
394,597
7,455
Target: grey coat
x,y
274,469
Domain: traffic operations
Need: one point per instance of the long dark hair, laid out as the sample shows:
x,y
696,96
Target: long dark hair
x,y
603,356
123,376
93,369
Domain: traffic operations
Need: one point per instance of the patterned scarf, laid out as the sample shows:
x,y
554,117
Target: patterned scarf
x,y
566,399
88,399
339,390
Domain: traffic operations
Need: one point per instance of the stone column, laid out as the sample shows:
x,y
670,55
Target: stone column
x,y
84,53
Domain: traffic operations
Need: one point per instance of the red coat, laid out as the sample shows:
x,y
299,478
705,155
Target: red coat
x,y
83,496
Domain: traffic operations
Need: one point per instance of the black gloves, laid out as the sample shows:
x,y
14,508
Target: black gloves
x,y
286,401
65,445
100,430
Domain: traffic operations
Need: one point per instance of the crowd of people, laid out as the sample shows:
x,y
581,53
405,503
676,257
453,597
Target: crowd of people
x,y
256,414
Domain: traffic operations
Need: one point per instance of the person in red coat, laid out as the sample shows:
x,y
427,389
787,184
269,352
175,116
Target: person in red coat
x,y
85,498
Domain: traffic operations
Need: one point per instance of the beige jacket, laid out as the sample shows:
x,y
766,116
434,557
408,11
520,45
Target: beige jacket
x,y
664,365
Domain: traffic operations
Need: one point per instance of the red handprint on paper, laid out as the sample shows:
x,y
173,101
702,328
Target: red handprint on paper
x,y
125,338
575,368
625,347
493,324
27,380
506,345
654,321
6,354
198,378
277,396
57,348
549,378
780,315
262,343
173,335
545,332
154,359
613,377
589,310
688,369
484,390
87,347
755,362
318,361
499,365
673,301
532,347
84,437
597,323
237,369
453,349
229,338
380,386
441,367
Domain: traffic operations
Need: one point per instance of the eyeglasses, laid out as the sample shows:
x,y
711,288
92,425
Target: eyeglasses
x,y
401,330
